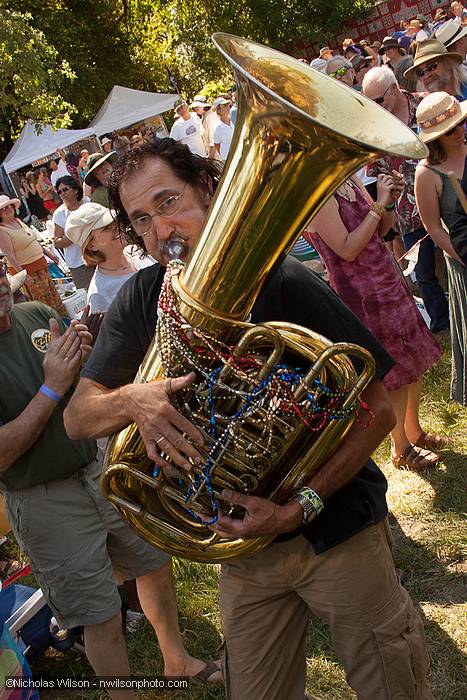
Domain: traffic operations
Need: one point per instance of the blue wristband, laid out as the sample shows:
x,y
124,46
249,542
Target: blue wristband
x,y
44,389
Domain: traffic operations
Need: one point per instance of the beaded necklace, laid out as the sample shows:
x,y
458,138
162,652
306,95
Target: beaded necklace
x,y
269,406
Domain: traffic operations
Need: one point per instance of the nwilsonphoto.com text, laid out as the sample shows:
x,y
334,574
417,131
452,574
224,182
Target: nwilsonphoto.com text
x,y
98,683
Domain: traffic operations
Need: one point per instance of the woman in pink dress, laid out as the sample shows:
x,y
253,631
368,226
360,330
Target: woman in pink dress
x,y
347,233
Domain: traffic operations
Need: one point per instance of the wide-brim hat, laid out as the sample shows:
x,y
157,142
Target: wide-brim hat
x,y
319,64
197,103
358,62
430,50
440,14
438,113
17,281
105,140
450,32
219,101
81,222
375,45
5,200
324,50
95,161
389,43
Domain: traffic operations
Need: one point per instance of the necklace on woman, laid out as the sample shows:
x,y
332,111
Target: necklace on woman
x,y
114,269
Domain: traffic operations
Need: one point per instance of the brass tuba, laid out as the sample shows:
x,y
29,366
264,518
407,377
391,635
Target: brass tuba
x,y
299,135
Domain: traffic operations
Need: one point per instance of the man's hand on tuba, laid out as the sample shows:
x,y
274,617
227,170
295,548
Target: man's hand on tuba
x,y
262,517
165,431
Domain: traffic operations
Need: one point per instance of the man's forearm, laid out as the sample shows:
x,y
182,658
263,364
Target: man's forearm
x,y
17,436
359,444
95,411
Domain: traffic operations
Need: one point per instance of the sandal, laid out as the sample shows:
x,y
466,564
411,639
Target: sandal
x,y
415,458
432,441
205,675
208,671
9,567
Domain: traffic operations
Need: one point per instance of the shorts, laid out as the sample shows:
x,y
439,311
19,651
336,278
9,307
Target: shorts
x,y
73,537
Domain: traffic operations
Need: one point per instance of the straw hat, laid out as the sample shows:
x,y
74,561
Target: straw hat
x,y
438,113
17,281
440,15
430,50
5,201
450,32
95,160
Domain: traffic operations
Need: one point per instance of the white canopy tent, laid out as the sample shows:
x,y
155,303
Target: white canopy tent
x,y
32,145
125,106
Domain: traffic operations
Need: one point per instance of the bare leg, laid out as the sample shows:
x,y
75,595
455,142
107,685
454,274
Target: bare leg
x,y
399,439
107,653
132,595
157,596
412,420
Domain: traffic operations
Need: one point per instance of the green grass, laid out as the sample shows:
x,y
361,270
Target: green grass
x,y
429,531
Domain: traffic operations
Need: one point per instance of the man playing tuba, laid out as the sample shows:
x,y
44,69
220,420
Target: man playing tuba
x,y
332,552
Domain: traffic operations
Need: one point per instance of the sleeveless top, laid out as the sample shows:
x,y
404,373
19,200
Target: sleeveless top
x,y
25,244
373,287
448,198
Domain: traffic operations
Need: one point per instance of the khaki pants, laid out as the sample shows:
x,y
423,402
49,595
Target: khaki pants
x,y
265,603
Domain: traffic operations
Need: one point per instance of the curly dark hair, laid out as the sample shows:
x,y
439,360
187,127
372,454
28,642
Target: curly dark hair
x,y
70,182
187,166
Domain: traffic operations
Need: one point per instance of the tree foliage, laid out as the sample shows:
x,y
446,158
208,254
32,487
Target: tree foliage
x,y
31,77
132,42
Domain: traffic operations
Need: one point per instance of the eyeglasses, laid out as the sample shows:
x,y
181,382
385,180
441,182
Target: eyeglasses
x,y
340,72
169,207
451,131
420,72
64,189
380,100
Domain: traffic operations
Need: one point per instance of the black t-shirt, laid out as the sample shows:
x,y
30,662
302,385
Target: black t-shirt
x,y
293,293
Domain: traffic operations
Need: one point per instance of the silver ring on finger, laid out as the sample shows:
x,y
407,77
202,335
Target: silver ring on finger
x,y
159,440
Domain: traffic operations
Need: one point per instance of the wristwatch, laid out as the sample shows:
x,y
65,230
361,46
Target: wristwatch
x,y
310,502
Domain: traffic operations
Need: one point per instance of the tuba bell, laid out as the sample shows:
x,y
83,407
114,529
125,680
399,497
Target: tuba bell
x,y
274,400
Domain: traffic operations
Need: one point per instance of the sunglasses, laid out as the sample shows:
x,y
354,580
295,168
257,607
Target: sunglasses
x,y
64,189
451,131
380,100
420,72
340,71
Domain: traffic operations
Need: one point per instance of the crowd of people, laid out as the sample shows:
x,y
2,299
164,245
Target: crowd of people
x,y
113,214
421,65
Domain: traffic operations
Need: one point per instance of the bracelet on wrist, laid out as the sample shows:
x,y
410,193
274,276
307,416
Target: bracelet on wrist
x,y
374,215
378,209
390,207
50,393
310,502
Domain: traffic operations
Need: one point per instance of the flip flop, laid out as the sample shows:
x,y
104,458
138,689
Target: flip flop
x,y
432,441
210,668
